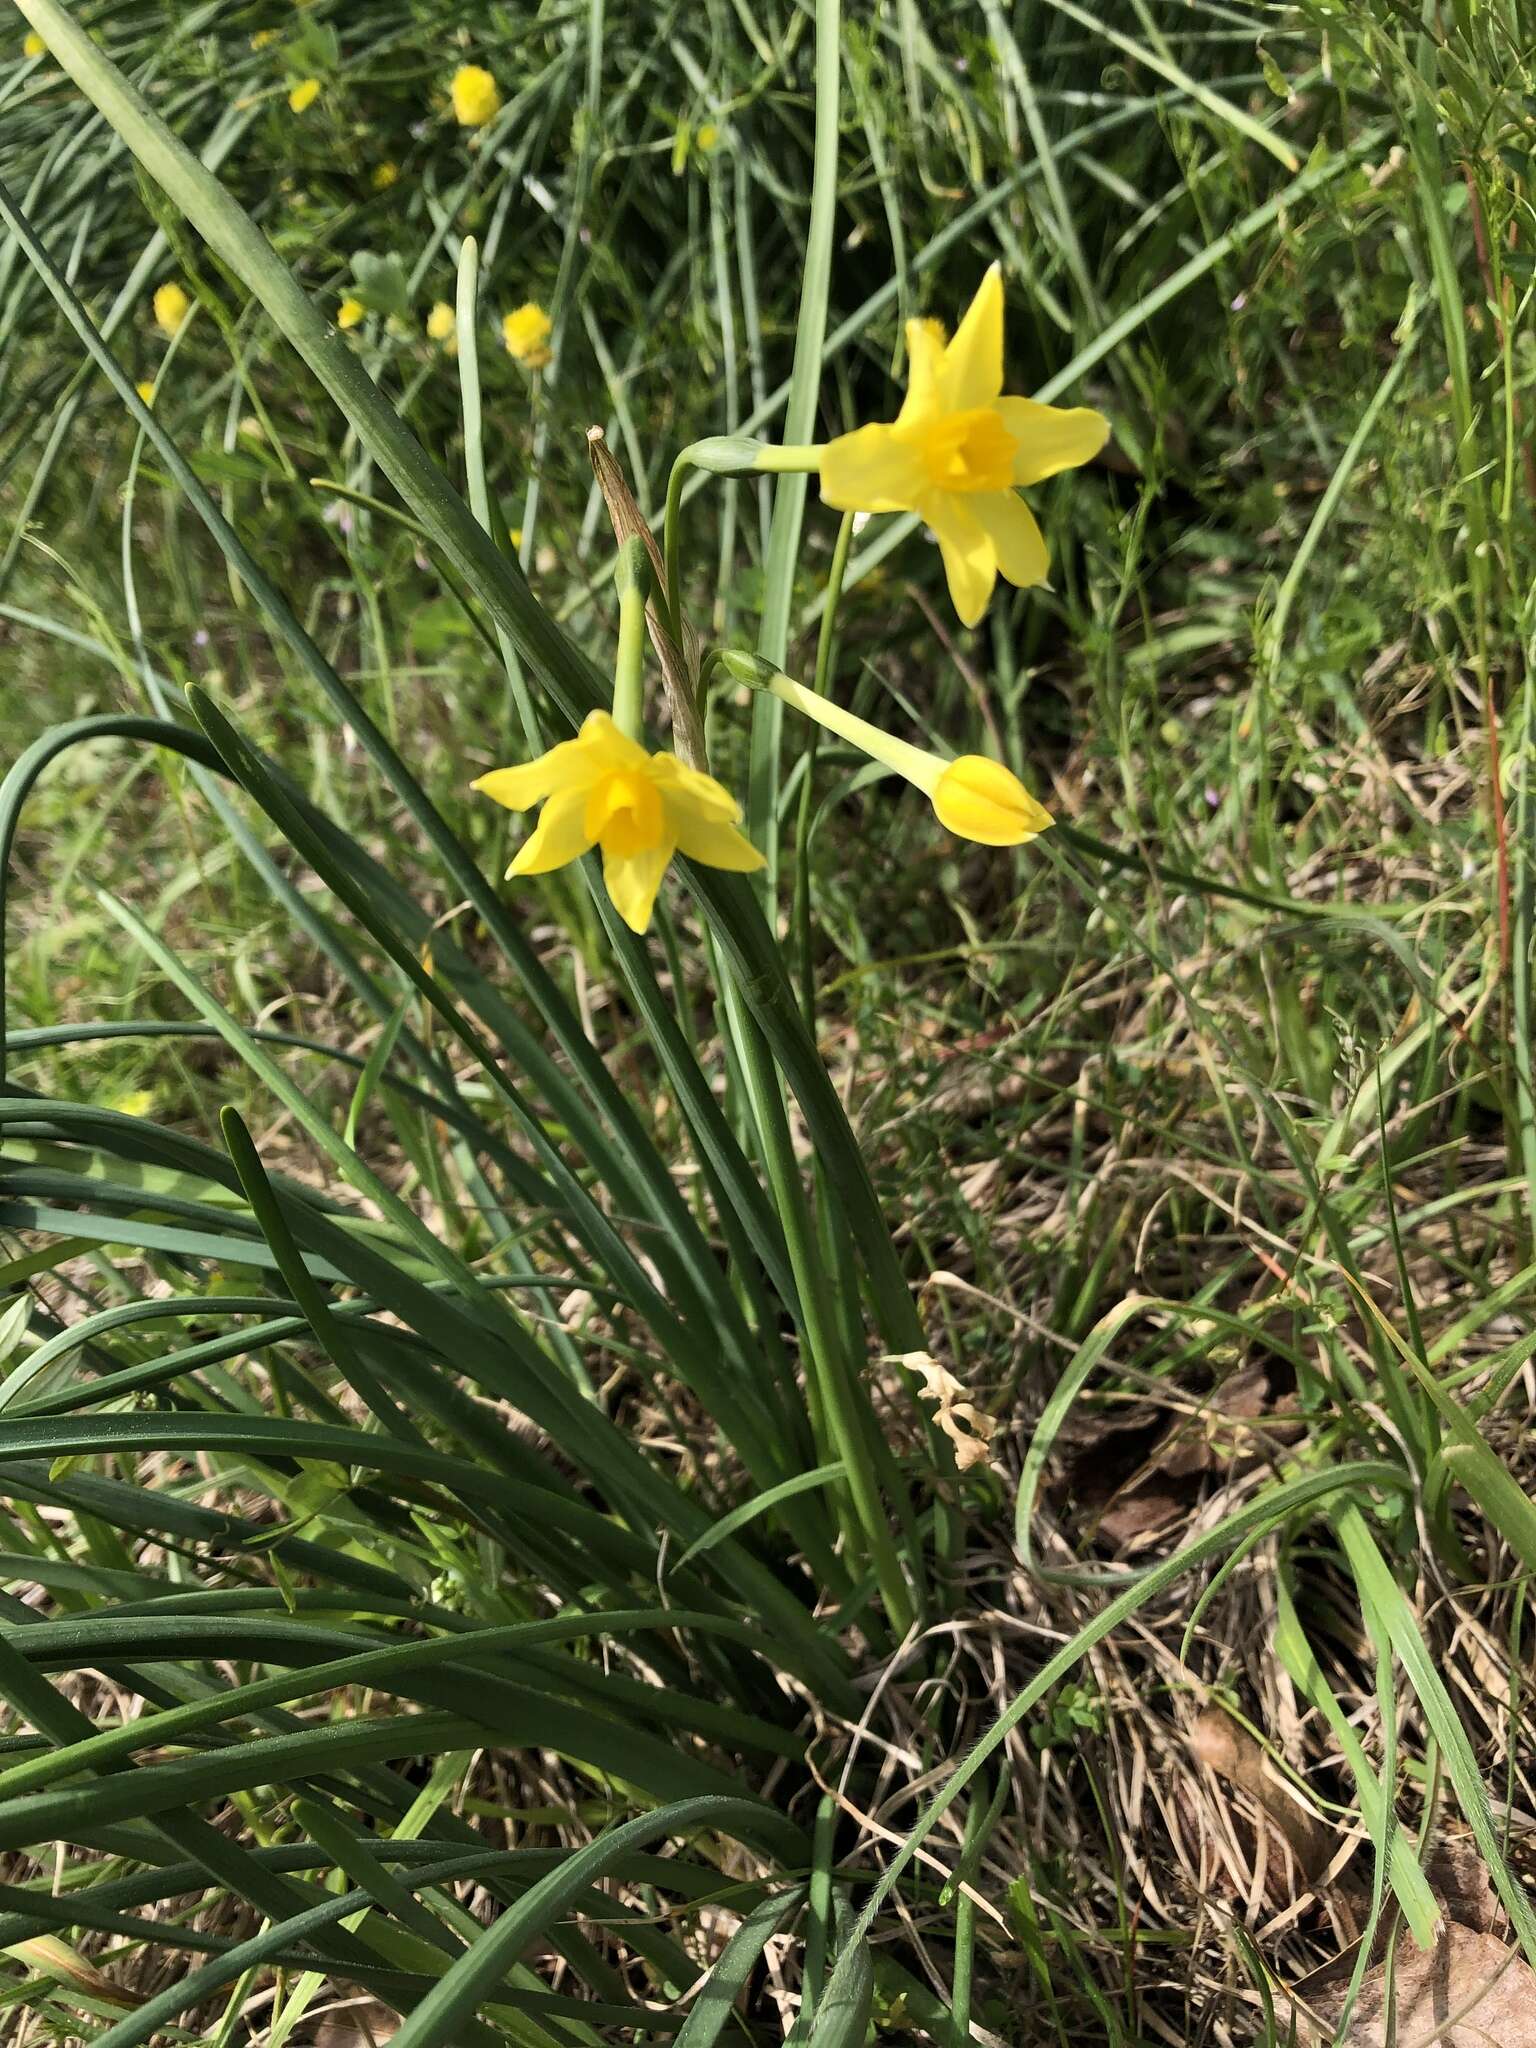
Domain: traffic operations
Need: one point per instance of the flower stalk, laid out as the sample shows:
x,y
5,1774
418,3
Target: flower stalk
x,y
632,579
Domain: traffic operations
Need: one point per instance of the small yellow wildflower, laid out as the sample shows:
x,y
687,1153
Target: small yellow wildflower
x,y
708,136
603,789
956,451
526,333
304,95
146,391
171,307
262,37
515,535
384,175
135,1102
440,321
351,313
33,45
476,96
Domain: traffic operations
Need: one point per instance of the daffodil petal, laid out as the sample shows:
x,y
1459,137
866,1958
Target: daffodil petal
x,y
925,357
972,371
561,835
970,555
633,880
871,470
980,799
618,749
1019,544
716,844
563,767
690,789
1051,438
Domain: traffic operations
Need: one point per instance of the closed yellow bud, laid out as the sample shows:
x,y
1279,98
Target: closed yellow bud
x,y
350,313
384,175
33,45
304,94
979,799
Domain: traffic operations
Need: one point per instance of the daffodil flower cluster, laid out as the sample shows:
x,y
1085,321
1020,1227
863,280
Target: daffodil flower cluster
x,y
956,455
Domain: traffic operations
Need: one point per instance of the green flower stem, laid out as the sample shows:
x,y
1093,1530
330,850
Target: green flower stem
x,y
801,460
672,597
466,327
632,578
720,455
917,764
826,641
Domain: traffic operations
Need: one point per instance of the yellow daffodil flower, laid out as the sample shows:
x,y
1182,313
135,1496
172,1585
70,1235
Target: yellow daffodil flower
x,y
603,789
476,96
351,313
440,321
384,175
171,307
526,334
146,391
304,95
956,451
974,797
33,44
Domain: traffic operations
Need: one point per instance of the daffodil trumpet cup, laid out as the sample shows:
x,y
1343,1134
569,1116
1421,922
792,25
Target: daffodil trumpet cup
x,y
973,796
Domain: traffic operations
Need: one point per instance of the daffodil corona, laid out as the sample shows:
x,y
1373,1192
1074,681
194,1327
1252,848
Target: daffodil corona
x,y
956,451
603,789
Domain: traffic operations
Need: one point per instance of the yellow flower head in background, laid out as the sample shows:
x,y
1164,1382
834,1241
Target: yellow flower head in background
x,y
707,137
262,37
304,94
146,391
526,333
171,307
956,451
351,313
603,789
475,96
440,321
33,44
384,175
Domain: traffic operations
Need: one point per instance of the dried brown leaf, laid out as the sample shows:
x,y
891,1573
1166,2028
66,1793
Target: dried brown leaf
x,y
1469,1991
1228,1749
